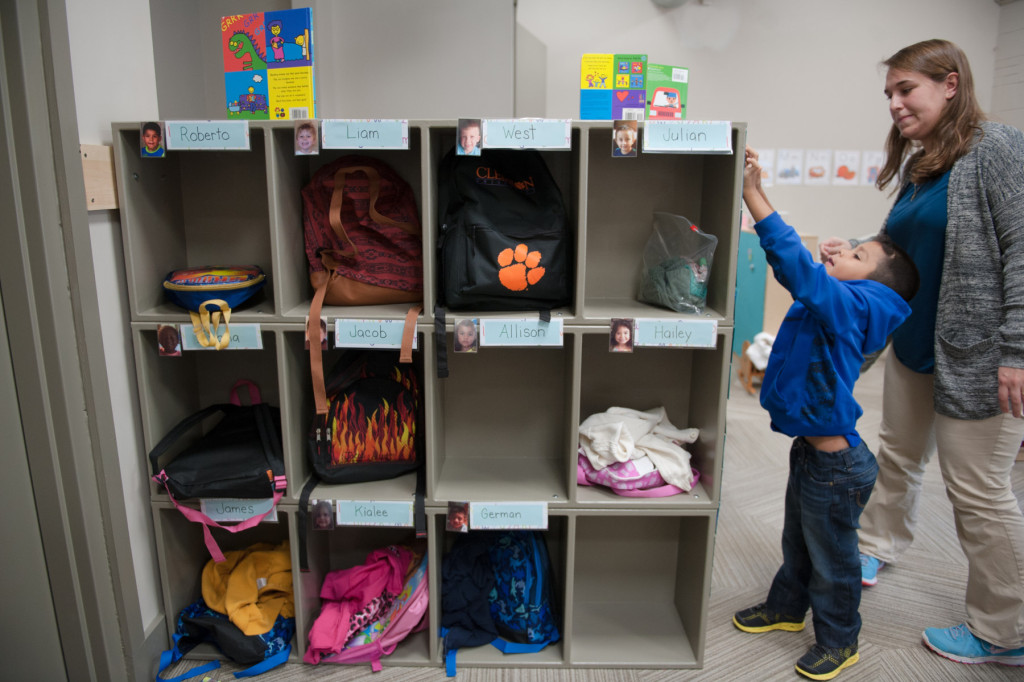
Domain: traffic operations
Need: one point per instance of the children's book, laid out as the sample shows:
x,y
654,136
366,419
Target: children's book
x,y
613,86
666,92
268,65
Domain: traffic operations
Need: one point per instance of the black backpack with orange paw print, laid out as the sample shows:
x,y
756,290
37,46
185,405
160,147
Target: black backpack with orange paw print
x,y
504,240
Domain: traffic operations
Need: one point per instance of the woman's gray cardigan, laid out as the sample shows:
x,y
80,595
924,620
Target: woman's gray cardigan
x,y
980,321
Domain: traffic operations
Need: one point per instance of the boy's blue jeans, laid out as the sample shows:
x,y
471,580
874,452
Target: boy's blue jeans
x,y
825,496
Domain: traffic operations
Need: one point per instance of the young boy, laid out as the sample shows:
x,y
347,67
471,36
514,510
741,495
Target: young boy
x,y
844,309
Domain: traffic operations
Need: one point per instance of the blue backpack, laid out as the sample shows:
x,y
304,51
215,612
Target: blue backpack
x,y
497,589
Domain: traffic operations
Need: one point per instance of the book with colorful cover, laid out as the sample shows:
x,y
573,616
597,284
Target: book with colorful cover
x,y
613,86
666,92
268,65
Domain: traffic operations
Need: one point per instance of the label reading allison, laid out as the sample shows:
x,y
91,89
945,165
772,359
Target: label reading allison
x,y
532,332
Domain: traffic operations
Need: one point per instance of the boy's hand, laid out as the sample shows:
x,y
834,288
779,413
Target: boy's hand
x,y
754,197
751,171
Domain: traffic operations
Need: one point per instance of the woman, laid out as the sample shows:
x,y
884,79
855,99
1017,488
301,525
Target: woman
x,y
955,376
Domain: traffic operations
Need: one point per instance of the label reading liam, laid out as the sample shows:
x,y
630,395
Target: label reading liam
x,y
375,513
531,332
238,510
526,133
498,515
243,336
683,137
676,333
370,334
366,133
198,135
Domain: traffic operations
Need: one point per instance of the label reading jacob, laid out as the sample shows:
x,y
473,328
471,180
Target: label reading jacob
x,y
198,135
676,333
375,513
377,133
531,332
227,509
370,334
501,515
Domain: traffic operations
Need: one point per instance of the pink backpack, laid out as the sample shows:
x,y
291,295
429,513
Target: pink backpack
x,y
407,614
633,478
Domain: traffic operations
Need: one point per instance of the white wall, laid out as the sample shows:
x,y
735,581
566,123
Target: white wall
x,y
802,73
114,80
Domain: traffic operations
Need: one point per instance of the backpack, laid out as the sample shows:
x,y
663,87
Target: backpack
x,y
406,615
632,478
368,428
198,623
504,241
240,457
496,588
362,234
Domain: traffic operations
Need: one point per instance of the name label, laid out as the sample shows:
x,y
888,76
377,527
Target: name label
x,y
197,135
227,509
532,332
526,133
502,515
244,336
365,133
684,137
375,513
370,334
676,333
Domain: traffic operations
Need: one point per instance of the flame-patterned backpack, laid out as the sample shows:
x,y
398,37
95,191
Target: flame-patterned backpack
x,y
370,427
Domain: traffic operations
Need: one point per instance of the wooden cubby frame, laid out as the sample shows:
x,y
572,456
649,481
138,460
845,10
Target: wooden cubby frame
x,y
633,574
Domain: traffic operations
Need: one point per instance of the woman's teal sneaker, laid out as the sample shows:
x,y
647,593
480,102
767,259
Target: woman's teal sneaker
x,y
961,645
869,566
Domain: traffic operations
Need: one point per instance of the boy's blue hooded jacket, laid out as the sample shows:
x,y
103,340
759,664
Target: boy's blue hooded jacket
x,y
820,347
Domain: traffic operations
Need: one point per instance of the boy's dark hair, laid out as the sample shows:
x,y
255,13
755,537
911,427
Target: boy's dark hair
x,y
898,271
155,127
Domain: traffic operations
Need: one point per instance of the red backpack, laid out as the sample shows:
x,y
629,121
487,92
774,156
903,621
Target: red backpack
x,y
362,234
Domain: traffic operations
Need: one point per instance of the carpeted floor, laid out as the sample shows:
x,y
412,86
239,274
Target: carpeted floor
x,y
925,589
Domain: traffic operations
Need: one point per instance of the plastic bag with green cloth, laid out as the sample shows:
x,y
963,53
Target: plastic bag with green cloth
x,y
677,264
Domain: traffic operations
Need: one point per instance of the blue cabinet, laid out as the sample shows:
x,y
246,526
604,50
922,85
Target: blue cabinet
x,y
751,271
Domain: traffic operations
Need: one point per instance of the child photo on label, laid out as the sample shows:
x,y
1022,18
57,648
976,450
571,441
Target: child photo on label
x,y
323,333
306,138
152,140
467,340
458,517
468,143
621,338
169,340
624,138
323,514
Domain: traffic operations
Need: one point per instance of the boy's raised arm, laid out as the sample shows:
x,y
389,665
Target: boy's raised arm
x,y
753,195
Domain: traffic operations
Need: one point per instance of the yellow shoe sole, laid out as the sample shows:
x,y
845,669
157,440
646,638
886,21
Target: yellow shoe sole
x,y
787,626
828,676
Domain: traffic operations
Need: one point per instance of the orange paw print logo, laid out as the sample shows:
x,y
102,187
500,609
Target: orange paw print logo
x,y
519,268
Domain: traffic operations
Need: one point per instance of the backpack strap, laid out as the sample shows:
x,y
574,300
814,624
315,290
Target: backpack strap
x,y
316,354
338,200
180,430
440,342
254,392
266,664
205,324
173,655
301,516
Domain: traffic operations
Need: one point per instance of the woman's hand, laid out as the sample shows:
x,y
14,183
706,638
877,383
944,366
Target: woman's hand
x,y
831,246
1011,390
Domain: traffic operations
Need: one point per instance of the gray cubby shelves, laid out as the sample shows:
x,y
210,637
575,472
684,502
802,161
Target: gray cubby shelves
x,y
632,575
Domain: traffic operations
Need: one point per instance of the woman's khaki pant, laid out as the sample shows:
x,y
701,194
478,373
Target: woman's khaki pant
x,y
976,458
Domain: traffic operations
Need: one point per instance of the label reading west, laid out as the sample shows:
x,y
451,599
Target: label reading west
x,y
516,332
197,135
370,334
244,336
682,137
676,333
526,133
227,509
367,133
499,515
375,513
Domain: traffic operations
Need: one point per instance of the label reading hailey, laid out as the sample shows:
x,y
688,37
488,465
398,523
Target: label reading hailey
x,y
375,513
676,333
196,135
499,515
225,509
531,332
370,334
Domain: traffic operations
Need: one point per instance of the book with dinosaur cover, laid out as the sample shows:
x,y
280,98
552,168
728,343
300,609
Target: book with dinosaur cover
x,y
268,65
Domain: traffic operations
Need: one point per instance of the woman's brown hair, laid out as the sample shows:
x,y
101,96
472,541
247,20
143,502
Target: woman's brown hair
x,y
957,124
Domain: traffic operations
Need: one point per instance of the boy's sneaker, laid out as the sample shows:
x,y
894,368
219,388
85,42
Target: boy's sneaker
x,y
959,644
869,566
824,663
760,619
